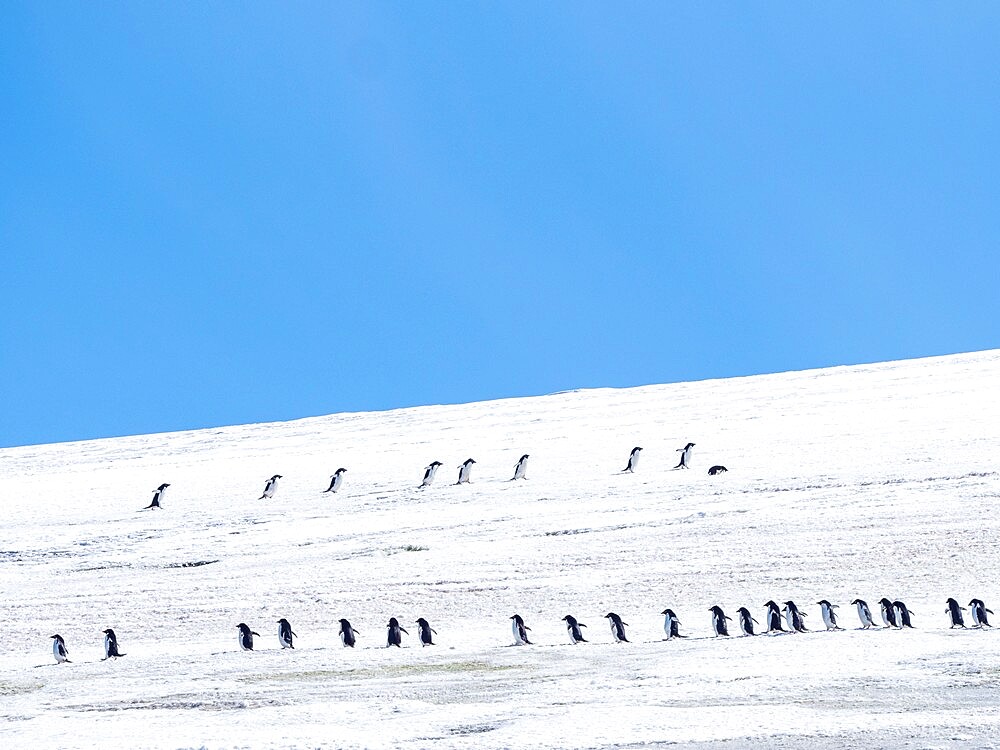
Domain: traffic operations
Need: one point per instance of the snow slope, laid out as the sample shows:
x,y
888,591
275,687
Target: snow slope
x,y
870,481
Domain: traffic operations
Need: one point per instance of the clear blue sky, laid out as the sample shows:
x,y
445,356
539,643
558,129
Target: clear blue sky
x,y
218,213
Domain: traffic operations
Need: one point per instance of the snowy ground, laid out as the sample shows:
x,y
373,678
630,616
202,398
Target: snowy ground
x,y
870,481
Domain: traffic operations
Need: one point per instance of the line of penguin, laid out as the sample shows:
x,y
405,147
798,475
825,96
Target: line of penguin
x,y
895,615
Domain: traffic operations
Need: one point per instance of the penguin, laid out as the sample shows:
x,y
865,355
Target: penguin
x,y
111,645
719,621
794,618
888,613
520,468
429,472
685,462
59,649
717,470
424,632
285,633
347,634
864,613
671,625
746,621
395,639
520,630
955,611
633,460
617,627
157,497
270,486
829,616
336,479
773,618
573,629
465,470
979,612
902,614
246,636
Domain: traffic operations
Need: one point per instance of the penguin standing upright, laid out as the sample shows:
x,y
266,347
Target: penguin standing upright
x,y
520,468
246,636
270,487
520,630
888,613
285,633
902,614
685,462
465,471
111,645
425,632
59,649
347,634
429,471
979,613
794,618
336,479
671,625
633,459
746,621
773,618
617,627
394,630
573,629
829,616
158,496
864,613
719,618
955,612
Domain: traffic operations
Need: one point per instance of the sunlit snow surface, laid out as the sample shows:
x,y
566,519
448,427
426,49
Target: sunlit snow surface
x,y
870,481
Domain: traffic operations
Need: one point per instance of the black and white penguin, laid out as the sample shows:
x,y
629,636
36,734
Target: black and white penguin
x,y
347,634
520,630
425,631
336,479
617,627
829,616
902,614
270,487
794,618
719,621
158,497
773,618
111,645
746,621
671,625
395,639
429,471
59,649
520,468
465,471
979,613
685,462
285,633
573,629
864,613
633,459
717,470
955,612
246,636
888,613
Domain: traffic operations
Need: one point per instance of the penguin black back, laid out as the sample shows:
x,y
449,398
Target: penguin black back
x,y
347,634
425,632
111,645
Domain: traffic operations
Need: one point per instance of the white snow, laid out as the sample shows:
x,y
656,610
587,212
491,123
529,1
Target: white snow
x,y
869,481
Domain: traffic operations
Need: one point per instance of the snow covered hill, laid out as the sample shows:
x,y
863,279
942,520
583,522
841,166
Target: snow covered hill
x,y
869,481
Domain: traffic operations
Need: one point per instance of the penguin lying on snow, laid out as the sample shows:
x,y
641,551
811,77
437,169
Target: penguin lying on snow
x,y
717,470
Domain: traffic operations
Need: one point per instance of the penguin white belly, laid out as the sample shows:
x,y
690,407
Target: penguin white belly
x,y
516,632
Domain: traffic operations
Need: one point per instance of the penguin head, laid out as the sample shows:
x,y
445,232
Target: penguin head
x,y
858,601
885,602
56,637
611,616
109,631
517,619
283,621
570,620
164,486
771,604
344,623
340,471
823,603
636,449
393,622
668,612
523,457
422,622
469,461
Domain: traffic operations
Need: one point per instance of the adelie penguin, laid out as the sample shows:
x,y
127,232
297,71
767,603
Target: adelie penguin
x,y
902,614
336,479
719,618
520,468
773,618
270,487
717,470
285,633
864,613
671,625
465,471
111,645
955,612
746,621
394,633
617,627
888,613
685,462
347,634
425,632
59,649
633,459
245,636
794,618
519,630
829,616
157,497
573,629
429,471
979,612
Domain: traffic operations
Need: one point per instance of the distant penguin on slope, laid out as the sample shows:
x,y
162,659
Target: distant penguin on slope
x,y
425,632
246,636
395,639
347,634
270,487
617,627
719,621
685,462
520,630
794,618
773,618
336,479
864,613
573,629
671,625
520,468
633,459
888,613
157,497
829,616
111,645
717,470
59,649
979,613
902,614
746,621
429,471
955,612
285,633
465,471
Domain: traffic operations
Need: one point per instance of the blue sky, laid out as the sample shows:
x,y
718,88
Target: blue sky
x,y
233,212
